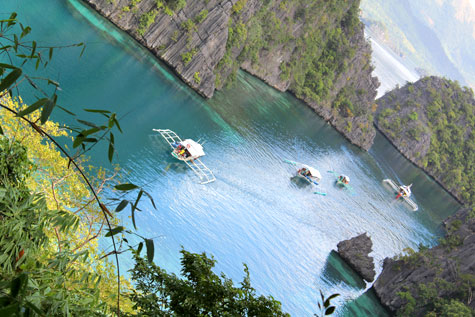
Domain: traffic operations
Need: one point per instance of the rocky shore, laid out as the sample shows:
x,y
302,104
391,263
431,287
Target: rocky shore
x,y
415,283
355,252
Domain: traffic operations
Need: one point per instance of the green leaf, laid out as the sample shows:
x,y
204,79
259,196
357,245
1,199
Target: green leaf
x,y
327,302
139,248
33,48
52,82
15,43
39,103
12,19
1,130
329,310
10,79
151,199
114,231
133,216
97,110
90,124
111,120
122,205
47,109
34,308
117,124
150,249
18,284
126,186
7,65
66,110
111,147
78,140
50,55
134,207
10,310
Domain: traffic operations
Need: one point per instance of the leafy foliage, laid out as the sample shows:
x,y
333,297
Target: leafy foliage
x,y
200,293
445,111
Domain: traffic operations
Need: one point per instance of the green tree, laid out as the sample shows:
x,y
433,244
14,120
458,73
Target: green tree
x,y
200,292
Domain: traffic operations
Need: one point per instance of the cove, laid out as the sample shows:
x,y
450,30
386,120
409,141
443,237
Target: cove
x,y
253,213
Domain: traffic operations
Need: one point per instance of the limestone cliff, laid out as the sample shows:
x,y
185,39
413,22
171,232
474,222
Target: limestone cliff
x,y
430,280
432,123
315,49
355,252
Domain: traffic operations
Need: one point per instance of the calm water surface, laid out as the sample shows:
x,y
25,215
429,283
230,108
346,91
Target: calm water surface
x,y
253,213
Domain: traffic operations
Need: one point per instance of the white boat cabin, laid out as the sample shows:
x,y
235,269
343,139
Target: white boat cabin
x,y
309,172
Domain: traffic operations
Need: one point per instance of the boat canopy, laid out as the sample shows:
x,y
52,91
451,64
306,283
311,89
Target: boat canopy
x,y
406,189
195,149
314,173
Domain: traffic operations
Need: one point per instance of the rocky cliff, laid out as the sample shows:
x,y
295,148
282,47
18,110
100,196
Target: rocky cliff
x,y
355,252
433,280
432,123
315,49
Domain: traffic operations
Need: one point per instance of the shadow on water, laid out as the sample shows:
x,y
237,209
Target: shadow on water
x,y
337,271
299,182
365,305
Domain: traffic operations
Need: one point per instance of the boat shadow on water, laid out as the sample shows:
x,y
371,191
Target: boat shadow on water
x,y
299,182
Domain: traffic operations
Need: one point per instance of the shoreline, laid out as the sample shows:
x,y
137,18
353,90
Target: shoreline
x,y
458,200
315,110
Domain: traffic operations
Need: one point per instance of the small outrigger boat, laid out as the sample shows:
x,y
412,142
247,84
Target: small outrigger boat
x,y
188,151
307,173
402,191
342,181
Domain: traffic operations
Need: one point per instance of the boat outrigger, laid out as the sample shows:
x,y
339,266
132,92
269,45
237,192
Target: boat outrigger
x,y
188,151
402,191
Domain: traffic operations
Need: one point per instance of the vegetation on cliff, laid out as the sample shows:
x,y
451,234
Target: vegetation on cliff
x,y
316,49
433,123
433,282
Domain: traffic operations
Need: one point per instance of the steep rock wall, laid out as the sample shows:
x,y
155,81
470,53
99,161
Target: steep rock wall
x,y
413,284
315,49
432,123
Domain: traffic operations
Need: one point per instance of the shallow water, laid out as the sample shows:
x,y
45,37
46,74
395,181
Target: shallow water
x,y
253,213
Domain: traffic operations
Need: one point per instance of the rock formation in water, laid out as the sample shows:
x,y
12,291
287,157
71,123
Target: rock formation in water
x,y
432,123
355,252
315,49
432,280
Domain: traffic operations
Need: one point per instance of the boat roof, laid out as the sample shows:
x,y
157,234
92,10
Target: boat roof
x,y
407,189
313,171
195,149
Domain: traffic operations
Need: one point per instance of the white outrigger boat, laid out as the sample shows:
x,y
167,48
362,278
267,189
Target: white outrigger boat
x,y
402,191
307,173
310,174
188,151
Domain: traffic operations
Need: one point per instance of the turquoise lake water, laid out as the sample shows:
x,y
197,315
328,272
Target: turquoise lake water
x,y
254,213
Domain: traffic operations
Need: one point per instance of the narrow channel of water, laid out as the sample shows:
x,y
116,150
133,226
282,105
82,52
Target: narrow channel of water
x,y
253,213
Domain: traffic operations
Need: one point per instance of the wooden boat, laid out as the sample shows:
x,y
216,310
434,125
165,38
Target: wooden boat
x,y
188,151
402,192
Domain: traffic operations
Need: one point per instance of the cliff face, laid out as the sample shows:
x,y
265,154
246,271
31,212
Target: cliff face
x,y
315,49
355,252
422,282
432,123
